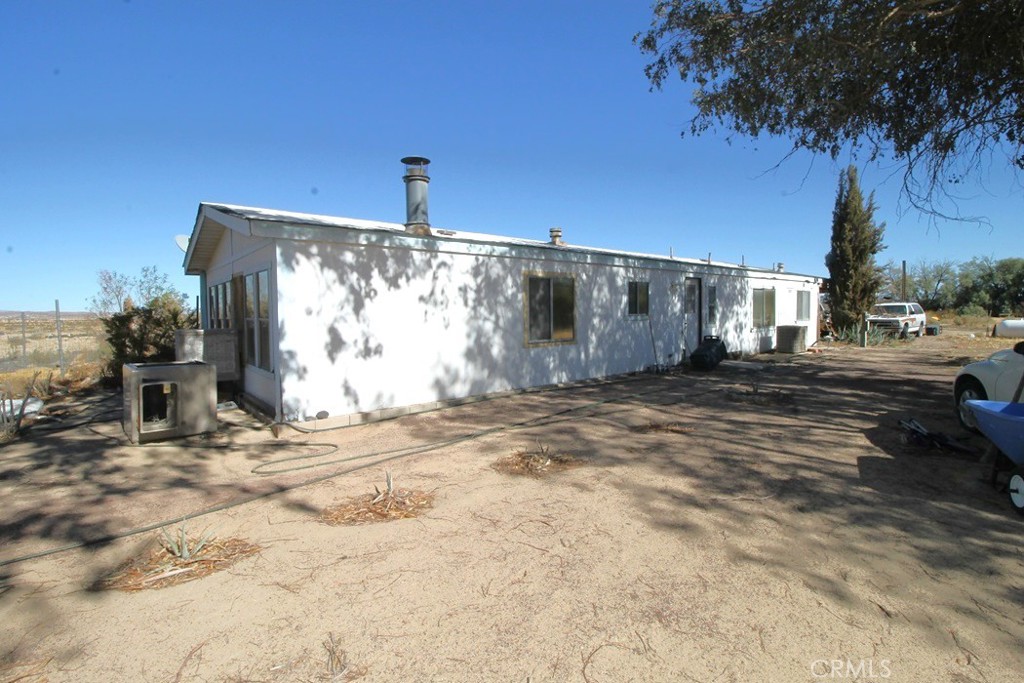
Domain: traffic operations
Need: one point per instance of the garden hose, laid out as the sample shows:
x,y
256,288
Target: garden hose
x,y
384,456
262,468
458,403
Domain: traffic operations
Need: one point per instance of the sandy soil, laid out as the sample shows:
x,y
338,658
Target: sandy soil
x,y
780,530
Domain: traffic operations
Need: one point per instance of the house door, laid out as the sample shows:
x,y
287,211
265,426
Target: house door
x,y
238,324
693,324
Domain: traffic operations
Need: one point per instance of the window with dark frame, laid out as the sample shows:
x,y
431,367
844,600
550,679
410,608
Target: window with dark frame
x,y
212,313
712,294
257,319
551,309
219,306
764,308
691,297
639,298
803,306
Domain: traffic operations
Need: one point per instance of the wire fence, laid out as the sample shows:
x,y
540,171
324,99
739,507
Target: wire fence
x,y
53,340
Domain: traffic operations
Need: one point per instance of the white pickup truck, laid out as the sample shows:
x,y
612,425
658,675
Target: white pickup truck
x,y
902,318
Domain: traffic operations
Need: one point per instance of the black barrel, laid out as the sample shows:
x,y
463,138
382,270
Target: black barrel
x,y
710,353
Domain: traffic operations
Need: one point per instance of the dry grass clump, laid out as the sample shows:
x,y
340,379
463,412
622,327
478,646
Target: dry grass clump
x,y
338,667
663,427
45,382
379,506
24,672
980,345
535,463
178,559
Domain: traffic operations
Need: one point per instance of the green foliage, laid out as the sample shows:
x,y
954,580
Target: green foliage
x,y
146,334
972,311
933,285
851,335
854,279
981,287
118,291
181,546
936,82
995,286
114,290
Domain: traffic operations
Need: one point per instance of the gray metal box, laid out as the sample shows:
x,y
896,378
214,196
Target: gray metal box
x,y
791,338
169,400
219,347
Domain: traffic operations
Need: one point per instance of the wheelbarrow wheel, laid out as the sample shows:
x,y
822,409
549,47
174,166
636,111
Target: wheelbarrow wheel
x,y
1016,488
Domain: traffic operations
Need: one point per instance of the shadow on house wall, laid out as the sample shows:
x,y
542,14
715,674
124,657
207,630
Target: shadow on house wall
x,y
363,327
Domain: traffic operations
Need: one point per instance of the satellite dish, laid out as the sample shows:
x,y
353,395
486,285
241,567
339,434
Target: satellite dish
x,y
182,242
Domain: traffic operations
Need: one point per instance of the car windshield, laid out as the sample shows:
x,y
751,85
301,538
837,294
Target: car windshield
x,y
890,309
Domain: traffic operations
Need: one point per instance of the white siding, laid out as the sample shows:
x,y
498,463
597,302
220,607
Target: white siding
x,y
376,325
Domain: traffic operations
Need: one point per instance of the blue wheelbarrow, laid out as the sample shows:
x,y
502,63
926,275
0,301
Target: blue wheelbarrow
x,y
1003,424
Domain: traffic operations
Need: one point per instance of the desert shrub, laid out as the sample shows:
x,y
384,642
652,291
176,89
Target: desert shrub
x,y
43,357
145,334
851,335
972,311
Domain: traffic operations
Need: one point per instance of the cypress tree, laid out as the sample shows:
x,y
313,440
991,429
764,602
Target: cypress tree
x,y
854,278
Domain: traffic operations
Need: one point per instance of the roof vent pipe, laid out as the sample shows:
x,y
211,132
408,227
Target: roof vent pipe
x,y
416,179
556,237
780,267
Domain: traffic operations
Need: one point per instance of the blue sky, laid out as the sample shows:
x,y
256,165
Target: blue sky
x,y
118,118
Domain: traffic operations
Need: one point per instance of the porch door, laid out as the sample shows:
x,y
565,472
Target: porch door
x,y
693,323
238,324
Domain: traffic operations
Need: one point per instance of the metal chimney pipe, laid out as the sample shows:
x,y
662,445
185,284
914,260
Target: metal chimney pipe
x,y
556,236
417,221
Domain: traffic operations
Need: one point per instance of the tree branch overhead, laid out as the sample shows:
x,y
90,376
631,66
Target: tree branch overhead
x,y
933,84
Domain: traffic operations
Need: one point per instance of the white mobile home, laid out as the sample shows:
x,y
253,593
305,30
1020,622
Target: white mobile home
x,y
349,317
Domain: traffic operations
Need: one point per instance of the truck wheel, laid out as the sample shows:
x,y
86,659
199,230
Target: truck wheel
x,y
920,331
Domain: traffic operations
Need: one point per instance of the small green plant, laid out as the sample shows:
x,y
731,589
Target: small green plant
x,y
851,335
181,546
387,496
535,462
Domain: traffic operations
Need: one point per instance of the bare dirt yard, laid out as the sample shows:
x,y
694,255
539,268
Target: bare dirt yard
x,y
759,522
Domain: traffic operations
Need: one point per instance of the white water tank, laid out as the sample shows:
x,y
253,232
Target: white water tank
x,y
1009,328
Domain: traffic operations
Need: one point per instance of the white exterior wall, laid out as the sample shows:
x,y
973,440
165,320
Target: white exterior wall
x,y
367,321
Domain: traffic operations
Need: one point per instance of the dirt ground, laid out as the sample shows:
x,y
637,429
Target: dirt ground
x,y
765,521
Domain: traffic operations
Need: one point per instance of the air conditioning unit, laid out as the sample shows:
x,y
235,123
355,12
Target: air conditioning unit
x,y
169,400
791,338
219,347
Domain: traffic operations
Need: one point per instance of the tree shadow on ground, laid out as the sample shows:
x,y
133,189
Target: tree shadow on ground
x,y
86,484
819,460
